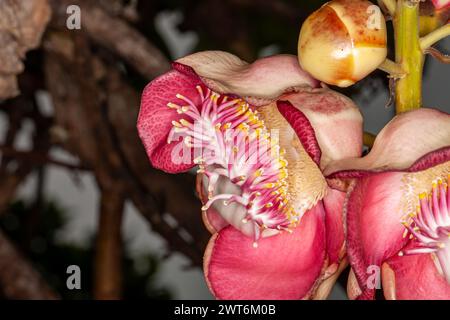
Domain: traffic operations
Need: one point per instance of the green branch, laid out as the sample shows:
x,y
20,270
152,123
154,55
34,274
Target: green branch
x,y
408,54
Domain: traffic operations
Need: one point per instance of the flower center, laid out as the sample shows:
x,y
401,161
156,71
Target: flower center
x,y
429,226
229,140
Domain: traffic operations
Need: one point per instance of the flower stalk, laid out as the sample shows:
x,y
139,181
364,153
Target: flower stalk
x,y
395,70
408,89
434,36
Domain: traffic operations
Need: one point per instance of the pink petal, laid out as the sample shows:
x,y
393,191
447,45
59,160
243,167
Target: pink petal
x,y
440,4
336,120
334,203
260,82
416,278
374,231
285,266
406,138
155,118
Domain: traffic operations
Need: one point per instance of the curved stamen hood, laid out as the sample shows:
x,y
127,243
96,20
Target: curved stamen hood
x,y
429,227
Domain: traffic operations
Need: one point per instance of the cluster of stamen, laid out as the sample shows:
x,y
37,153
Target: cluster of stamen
x,y
429,226
231,141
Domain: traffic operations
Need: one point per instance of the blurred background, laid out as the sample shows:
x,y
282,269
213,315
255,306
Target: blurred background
x,y
76,187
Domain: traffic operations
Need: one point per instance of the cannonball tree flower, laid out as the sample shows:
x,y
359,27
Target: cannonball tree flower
x,y
277,226
398,210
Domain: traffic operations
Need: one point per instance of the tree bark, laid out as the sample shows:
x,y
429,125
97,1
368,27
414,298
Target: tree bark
x,y
105,30
18,278
97,110
22,23
108,251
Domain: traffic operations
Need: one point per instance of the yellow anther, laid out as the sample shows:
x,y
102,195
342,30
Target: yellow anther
x,y
259,172
405,233
173,105
184,122
283,163
422,195
176,124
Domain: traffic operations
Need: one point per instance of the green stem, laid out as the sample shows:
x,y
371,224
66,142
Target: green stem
x,y
408,54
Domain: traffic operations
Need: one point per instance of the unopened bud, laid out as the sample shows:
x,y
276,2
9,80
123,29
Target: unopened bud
x,y
343,41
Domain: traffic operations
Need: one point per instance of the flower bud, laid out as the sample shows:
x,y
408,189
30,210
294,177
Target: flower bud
x,y
343,41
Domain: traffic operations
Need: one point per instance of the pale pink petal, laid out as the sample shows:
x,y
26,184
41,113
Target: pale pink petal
x,y
406,138
416,278
260,82
285,266
374,231
336,120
